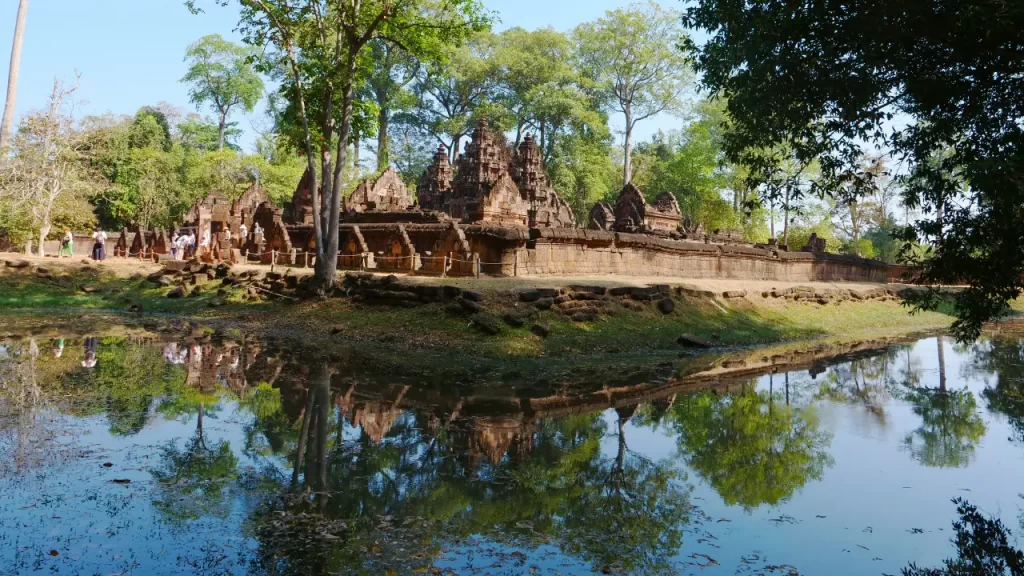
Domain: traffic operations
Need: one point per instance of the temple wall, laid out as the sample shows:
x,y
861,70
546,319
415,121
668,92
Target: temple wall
x,y
578,258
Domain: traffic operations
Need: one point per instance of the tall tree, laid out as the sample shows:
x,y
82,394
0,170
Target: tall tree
x,y
12,76
325,44
393,70
450,96
807,75
221,75
45,175
632,55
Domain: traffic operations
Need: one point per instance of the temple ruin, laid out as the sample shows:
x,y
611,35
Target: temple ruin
x,y
495,212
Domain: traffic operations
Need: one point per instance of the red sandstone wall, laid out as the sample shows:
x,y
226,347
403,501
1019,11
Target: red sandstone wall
x,y
575,258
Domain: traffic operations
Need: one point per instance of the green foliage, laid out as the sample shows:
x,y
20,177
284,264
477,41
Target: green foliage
x,y
631,53
809,76
691,166
221,75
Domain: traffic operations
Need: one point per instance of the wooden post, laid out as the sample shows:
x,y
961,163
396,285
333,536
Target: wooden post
x,y
444,266
273,259
476,265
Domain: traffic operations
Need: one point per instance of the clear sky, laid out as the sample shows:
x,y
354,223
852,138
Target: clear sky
x,y
130,52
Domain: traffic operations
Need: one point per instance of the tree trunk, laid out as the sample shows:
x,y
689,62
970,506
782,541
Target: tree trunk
x,y
627,168
942,366
355,158
383,150
12,78
303,433
220,131
785,225
44,231
322,390
327,265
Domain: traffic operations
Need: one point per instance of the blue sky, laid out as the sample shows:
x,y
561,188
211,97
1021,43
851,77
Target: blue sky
x,y
129,52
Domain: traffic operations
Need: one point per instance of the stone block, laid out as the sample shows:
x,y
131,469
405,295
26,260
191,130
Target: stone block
x,y
472,295
541,330
486,323
691,341
666,305
544,303
734,294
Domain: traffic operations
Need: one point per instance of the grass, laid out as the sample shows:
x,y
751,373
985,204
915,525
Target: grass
x,y
741,322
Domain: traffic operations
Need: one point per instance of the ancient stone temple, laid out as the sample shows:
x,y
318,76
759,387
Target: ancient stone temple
x,y
634,214
435,185
547,209
483,190
300,209
387,193
602,217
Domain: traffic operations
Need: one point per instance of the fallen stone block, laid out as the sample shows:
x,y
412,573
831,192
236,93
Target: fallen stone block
x,y
16,264
540,330
486,323
472,295
691,341
544,304
666,305
178,292
469,305
529,296
734,294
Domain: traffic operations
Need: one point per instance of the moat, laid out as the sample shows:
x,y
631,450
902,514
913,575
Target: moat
x,y
135,452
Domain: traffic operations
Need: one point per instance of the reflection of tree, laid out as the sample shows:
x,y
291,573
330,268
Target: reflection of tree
x,y
194,479
950,424
1005,359
750,451
562,490
982,545
127,378
863,382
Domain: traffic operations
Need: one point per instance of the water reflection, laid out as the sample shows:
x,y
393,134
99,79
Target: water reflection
x,y
260,458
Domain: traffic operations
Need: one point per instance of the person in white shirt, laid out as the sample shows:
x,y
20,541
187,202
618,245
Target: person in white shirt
x,y
243,233
257,229
99,248
204,244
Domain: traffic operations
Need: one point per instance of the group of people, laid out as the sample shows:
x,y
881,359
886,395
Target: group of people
x,y
183,244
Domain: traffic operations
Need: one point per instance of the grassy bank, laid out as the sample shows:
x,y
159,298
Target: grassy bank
x,y
639,329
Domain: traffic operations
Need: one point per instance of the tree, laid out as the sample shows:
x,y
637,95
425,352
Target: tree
x,y
325,45
451,96
45,176
690,165
809,76
12,76
632,55
221,75
393,70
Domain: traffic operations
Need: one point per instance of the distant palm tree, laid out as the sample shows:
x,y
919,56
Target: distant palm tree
x,y
12,78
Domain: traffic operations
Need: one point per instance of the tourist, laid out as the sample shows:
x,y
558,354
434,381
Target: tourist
x,y
58,347
67,244
99,247
257,230
243,233
91,344
204,244
175,246
190,244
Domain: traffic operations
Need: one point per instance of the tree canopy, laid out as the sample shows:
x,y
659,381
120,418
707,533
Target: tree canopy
x,y
937,83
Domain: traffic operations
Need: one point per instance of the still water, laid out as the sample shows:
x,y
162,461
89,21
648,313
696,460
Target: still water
x,y
150,454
